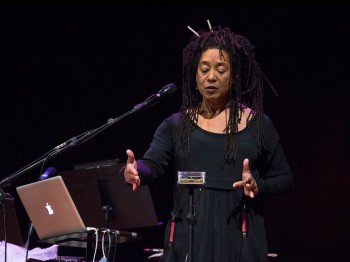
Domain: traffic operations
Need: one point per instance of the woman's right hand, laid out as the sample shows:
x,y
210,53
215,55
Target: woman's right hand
x,y
131,175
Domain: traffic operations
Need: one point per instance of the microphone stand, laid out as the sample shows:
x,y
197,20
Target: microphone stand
x,y
74,141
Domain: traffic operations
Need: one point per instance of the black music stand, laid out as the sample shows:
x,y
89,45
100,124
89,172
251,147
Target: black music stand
x,y
105,200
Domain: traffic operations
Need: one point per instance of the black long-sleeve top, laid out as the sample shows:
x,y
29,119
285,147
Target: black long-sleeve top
x,y
218,206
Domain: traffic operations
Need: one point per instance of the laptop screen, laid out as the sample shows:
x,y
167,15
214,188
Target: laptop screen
x,y
50,208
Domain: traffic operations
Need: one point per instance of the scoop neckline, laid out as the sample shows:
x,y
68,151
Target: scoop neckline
x,y
221,134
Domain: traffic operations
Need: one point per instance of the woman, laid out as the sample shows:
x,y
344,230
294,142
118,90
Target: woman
x,y
221,129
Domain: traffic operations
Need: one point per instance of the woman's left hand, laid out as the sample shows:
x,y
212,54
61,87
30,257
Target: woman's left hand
x,y
248,183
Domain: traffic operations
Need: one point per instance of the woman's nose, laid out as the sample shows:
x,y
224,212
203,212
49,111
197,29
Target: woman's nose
x,y
211,75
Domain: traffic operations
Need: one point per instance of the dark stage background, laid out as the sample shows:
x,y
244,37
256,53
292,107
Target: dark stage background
x,y
68,69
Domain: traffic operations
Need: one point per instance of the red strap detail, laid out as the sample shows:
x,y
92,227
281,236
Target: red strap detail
x,y
244,221
172,227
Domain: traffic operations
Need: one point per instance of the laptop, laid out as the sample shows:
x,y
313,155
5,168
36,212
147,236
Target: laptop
x,y
50,208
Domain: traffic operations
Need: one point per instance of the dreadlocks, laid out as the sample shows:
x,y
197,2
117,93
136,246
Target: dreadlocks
x,y
246,85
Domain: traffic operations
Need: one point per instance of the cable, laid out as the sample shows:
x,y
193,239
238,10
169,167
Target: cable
x,y
96,239
109,243
103,244
105,258
115,246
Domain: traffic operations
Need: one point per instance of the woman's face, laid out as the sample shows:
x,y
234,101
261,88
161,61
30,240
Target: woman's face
x,y
213,77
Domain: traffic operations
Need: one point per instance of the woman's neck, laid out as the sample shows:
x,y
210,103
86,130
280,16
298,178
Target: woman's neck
x,y
209,111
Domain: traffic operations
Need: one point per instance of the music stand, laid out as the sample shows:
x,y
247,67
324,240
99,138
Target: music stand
x,y
98,187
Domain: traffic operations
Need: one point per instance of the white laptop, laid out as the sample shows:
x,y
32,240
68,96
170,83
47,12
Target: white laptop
x,y
50,208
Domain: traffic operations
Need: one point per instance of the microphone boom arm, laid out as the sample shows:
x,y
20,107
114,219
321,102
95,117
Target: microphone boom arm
x,y
84,137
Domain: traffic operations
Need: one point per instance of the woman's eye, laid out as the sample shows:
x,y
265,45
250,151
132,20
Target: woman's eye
x,y
221,70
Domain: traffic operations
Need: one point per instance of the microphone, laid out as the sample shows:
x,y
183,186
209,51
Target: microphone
x,y
49,172
166,91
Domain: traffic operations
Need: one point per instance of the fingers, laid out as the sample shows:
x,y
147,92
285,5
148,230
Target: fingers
x,y
247,182
134,180
246,166
131,175
248,186
251,188
135,185
131,156
246,176
239,184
